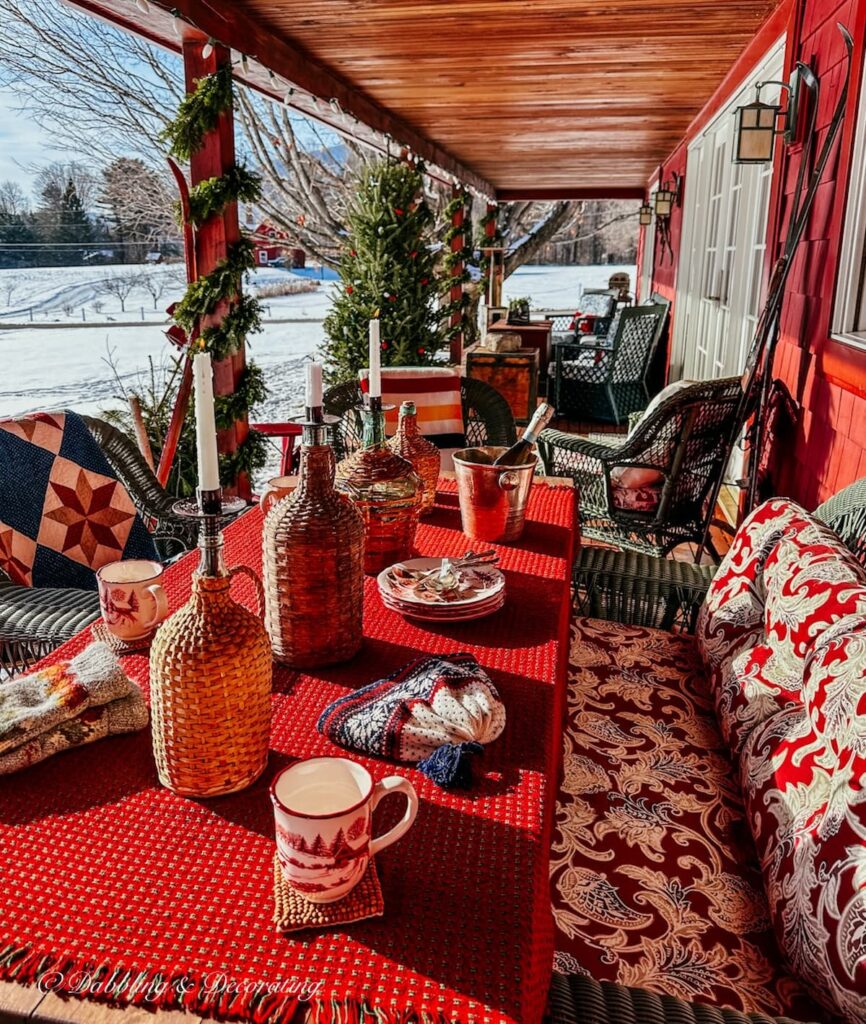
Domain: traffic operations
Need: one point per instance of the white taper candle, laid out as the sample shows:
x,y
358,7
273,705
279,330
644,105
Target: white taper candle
x,y
375,361
313,392
205,424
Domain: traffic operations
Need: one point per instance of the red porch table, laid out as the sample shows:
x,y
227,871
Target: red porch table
x,y
114,888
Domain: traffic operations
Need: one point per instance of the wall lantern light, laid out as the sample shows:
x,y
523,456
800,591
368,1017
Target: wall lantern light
x,y
645,215
757,122
667,194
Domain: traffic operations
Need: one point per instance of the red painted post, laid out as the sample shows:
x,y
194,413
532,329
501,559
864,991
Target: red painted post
x,y
456,292
213,239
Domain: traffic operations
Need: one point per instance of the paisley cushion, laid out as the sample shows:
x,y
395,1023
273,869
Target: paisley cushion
x,y
807,812
734,605
834,686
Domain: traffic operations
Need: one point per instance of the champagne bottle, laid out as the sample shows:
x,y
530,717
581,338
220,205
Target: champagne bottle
x,y
520,451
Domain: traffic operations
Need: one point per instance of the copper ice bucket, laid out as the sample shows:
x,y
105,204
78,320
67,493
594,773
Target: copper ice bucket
x,y
492,498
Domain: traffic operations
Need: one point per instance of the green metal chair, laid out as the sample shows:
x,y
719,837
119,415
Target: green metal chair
x,y
487,416
686,440
608,380
642,590
33,621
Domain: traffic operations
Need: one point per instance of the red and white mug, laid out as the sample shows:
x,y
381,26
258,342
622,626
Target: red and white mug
x,y
323,807
132,598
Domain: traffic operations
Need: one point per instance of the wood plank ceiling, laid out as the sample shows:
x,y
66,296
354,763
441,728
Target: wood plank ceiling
x,y
520,97
531,94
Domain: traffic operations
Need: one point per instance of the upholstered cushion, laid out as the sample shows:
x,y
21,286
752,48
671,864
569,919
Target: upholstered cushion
x,y
834,686
807,812
735,601
644,498
654,877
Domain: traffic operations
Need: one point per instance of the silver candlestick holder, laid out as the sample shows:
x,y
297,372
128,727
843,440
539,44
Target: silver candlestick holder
x,y
212,512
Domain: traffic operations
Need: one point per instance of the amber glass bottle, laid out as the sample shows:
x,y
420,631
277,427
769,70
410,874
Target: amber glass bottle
x,y
423,454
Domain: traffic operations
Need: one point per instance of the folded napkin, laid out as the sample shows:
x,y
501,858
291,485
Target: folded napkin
x,y
436,711
64,704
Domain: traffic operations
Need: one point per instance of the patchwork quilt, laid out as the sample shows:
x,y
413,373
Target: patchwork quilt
x,y
63,512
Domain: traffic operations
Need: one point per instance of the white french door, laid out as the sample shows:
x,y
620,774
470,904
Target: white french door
x,y
719,292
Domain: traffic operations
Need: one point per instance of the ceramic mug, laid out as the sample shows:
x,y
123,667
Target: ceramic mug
x,y
323,808
131,597
277,488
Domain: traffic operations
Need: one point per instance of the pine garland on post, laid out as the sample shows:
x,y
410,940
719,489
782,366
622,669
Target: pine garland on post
x,y
463,255
387,266
198,114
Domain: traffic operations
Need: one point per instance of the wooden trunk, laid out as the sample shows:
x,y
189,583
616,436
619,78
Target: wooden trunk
x,y
513,374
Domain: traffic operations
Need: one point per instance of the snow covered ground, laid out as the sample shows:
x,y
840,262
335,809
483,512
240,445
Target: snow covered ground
x,y
60,362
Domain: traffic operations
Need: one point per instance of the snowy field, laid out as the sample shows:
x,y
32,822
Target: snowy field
x,y
61,361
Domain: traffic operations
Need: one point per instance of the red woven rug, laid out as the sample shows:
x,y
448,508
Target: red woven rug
x,y
114,888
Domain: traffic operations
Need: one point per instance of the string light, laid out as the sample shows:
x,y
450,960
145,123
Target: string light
x,y
207,49
143,6
177,25
245,64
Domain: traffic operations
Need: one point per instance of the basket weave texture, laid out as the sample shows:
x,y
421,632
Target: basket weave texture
x,y
313,565
387,493
423,455
210,682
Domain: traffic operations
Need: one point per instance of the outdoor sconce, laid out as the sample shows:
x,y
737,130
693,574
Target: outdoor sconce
x,y
666,196
645,215
756,121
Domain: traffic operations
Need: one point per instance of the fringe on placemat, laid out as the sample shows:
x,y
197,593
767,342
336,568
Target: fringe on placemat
x,y
127,986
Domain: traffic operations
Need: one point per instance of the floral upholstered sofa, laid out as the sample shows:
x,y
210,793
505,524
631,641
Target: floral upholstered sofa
x,y
710,841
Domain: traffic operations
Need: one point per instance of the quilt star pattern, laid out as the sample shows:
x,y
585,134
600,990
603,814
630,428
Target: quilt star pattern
x,y
63,511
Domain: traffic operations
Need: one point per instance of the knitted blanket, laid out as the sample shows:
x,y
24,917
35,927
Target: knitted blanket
x,y
63,512
65,705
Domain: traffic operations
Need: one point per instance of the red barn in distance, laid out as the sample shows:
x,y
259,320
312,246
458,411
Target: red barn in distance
x,y
271,244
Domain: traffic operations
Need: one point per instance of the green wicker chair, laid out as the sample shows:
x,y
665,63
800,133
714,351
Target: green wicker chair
x,y
576,999
608,381
487,417
33,621
686,438
642,590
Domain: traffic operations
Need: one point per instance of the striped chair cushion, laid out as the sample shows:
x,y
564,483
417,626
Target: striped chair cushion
x,y
436,393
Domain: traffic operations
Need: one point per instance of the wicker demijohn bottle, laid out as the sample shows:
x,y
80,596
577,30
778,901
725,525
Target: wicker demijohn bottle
x,y
313,557
386,491
210,683
423,454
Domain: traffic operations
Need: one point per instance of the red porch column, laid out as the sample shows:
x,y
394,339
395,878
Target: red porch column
x,y
456,292
213,239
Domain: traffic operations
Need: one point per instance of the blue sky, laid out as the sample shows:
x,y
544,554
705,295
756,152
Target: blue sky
x,y
22,142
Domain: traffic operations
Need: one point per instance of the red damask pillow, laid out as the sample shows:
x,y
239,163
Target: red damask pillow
x,y
807,812
734,605
834,686
750,686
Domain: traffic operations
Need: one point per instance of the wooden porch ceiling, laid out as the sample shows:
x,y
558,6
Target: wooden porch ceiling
x,y
517,98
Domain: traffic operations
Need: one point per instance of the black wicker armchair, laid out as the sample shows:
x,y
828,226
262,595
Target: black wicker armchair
x,y
608,380
33,621
487,417
644,590
685,440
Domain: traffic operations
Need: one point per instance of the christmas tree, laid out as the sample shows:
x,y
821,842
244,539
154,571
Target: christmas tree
x,y
387,269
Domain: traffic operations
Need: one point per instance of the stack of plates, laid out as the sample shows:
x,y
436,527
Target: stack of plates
x,y
487,594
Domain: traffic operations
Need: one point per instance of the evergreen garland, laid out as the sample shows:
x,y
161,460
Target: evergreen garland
x,y
452,258
209,198
197,115
388,268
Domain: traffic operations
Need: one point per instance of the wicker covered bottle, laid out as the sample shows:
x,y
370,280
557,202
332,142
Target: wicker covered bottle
x,y
386,491
423,454
210,684
313,557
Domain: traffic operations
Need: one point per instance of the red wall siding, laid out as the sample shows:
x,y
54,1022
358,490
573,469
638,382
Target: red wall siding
x,y
826,378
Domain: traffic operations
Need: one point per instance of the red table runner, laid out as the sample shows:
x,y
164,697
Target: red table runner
x,y
113,888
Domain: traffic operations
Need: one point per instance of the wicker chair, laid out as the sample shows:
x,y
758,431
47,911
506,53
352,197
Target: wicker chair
x,y
608,381
33,621
487,417
642,590
686,439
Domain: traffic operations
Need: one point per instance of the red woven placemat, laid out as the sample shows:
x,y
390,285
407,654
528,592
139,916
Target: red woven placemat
x,y
114,888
